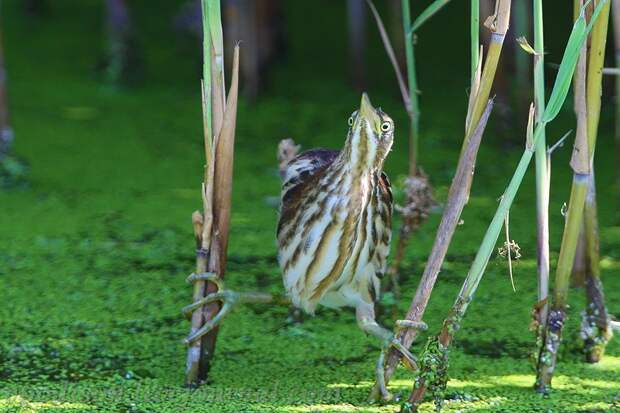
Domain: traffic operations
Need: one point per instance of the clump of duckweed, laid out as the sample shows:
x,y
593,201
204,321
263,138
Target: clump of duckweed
x,y
59,360
434,370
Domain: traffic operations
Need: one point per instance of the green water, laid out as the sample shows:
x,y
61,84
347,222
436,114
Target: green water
x,y
94,252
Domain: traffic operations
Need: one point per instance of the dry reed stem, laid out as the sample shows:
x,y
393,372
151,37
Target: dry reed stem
x,y
457,197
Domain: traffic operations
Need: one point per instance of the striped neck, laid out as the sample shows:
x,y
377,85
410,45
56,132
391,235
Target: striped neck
x,y
360,150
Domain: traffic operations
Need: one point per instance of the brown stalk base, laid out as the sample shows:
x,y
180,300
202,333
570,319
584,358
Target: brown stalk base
x,y
595,326
419,201
549,352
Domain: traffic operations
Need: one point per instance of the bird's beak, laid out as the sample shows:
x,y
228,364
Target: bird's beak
x,y
367,111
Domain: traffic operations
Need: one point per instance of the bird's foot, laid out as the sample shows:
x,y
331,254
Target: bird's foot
x,y
408,359
228,298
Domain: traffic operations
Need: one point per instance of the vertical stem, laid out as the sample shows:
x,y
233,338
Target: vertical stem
x,y
596,326
414,120
582,167
194,371
595,346
474,36
220,182
542,168
499,27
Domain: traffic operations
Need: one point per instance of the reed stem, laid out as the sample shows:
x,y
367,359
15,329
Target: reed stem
x,y
211,227
465,296
581,164
542,169
474,36
498,24
414,115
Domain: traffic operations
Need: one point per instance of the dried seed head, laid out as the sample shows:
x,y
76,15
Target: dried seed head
x,y
511,248
287,151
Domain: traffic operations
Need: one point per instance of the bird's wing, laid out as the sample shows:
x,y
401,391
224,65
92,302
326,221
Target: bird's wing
x,y
386,188
382,232
300,173
307,164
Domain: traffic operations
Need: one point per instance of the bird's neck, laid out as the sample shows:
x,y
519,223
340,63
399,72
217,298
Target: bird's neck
x,y
360,153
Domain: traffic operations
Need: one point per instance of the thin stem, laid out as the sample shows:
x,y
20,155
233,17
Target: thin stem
x,y
499,26
542,167
414,118
475,36
581,163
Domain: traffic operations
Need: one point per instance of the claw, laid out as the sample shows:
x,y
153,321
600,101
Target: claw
x,y
408,359
206,276
380,377
211,324
222,296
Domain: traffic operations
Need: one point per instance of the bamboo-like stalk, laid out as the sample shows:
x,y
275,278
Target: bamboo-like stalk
x,y
581,164
465,296
498,25
596,327
542,171
474,28
211,228
481,87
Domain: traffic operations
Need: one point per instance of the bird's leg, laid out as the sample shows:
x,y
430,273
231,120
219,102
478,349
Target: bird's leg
x,y
365,314
229,300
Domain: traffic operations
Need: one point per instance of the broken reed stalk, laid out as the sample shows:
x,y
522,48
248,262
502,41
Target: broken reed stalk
x,y
498,25
6,133
581,163
452,323
211,228
543,179
482,81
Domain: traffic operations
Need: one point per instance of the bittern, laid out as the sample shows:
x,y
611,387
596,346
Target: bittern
x,y
334,230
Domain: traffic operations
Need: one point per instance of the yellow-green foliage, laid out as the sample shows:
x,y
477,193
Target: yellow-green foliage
x,y
94,253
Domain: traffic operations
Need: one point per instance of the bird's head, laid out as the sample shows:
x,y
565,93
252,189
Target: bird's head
x,y
370,137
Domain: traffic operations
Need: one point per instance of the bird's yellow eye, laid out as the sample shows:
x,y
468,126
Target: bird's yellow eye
x,y
386,126
351,121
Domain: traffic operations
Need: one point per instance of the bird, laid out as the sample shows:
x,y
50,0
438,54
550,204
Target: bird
x,y
335,225
334,230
